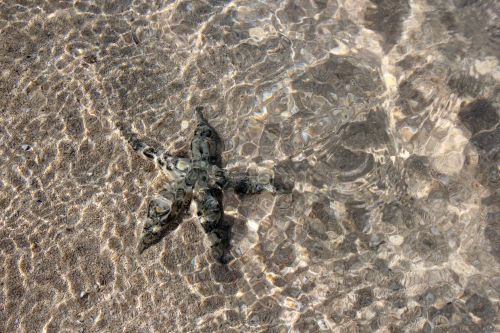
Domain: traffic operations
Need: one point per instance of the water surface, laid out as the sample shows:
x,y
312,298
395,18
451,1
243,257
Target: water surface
x,y
383,113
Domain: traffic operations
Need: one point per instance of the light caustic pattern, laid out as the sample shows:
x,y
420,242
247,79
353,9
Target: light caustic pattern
x,y
384,113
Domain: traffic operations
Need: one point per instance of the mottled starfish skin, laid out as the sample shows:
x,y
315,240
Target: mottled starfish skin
x,y
199,177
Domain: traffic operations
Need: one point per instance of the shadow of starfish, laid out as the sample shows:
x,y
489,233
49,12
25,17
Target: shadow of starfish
x,y
200,178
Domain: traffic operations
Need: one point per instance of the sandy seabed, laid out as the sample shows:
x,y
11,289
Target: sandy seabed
x,y
385,114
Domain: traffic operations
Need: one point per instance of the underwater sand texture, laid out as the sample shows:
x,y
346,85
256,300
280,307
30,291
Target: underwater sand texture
x,y
384,113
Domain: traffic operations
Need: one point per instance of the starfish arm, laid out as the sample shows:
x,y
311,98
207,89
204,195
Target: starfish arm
x,y
244,183
165,161
206,144
199,114
164,214
211,217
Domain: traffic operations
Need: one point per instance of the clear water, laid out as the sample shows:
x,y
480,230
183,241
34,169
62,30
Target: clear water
x,y
383,113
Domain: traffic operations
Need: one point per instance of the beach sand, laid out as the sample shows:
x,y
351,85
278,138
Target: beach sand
x,y
385,114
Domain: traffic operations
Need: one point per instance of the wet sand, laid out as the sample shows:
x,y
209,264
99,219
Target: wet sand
x,y
385,114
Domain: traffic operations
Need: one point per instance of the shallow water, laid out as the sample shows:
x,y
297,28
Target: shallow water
x,y
383,113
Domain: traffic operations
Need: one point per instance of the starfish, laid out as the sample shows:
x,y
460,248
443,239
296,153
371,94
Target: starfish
x,y
200,178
